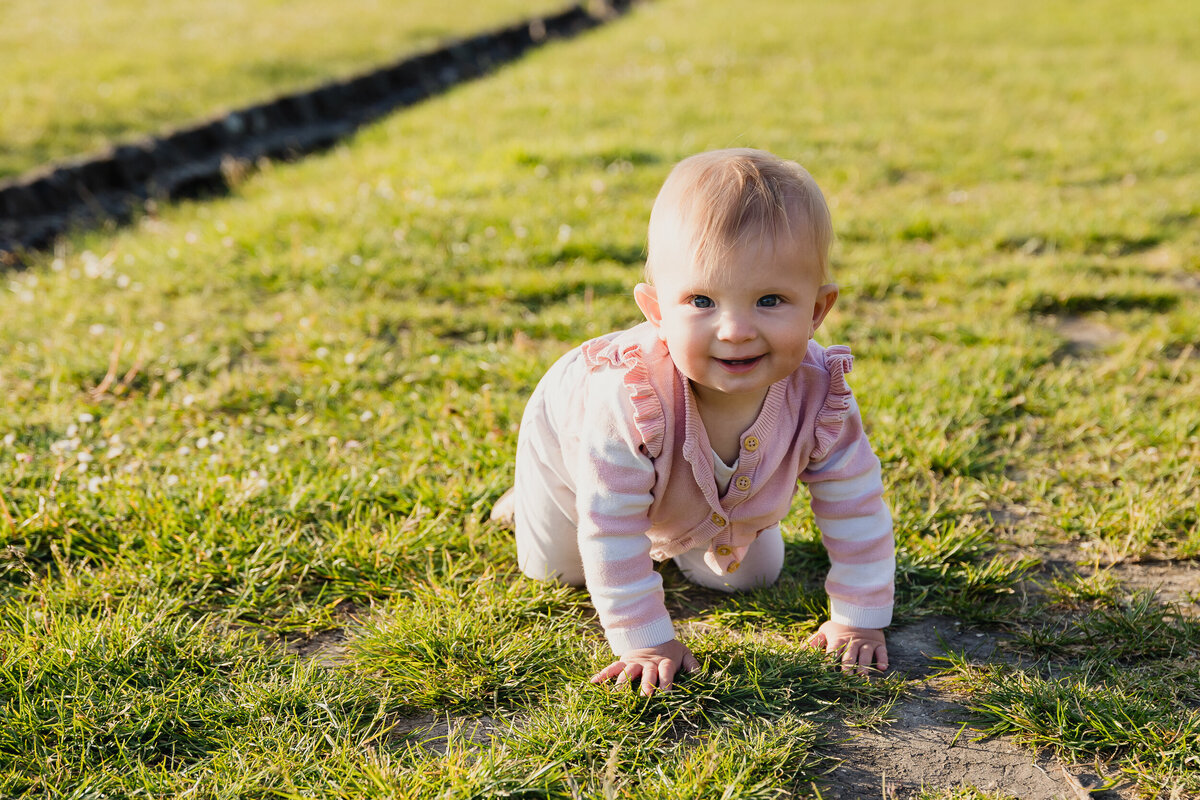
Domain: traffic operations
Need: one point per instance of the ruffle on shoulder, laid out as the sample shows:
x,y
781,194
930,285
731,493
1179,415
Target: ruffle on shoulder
x,y
832,416
648,415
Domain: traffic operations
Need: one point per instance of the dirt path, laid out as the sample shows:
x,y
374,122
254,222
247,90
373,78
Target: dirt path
x,y
928,747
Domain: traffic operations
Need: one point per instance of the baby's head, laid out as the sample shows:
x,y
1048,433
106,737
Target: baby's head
x,y
716,202
737,270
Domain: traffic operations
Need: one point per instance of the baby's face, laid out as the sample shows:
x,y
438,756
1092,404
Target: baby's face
x,y
745,327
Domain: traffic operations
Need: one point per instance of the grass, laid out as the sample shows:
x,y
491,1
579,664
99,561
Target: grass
x,y
79,75
289,410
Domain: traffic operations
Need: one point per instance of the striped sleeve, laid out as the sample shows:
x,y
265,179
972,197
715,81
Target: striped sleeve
x,y
856,528
614,484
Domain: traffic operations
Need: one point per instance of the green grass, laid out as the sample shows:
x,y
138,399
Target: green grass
x,y
290,409
80,75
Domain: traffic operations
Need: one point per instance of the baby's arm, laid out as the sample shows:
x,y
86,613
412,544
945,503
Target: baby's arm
x,y
856,529
615,482
628,596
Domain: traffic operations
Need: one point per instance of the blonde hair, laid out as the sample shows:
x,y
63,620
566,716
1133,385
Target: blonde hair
x,y
715,201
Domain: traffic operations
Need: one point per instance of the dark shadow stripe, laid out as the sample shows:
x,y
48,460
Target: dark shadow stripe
x,y
197,159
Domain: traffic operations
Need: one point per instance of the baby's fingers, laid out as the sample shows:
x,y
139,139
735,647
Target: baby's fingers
x,y
858,655
881,658
613,670
649,679
630,672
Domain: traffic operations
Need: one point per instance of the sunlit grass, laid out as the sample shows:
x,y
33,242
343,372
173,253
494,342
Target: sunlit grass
x,y
80,75
290,409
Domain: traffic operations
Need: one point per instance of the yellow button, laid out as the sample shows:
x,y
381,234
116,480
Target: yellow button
x,y
733,566
723,550
718,519
751,443
742,483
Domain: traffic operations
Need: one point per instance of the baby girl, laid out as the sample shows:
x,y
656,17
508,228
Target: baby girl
x,y
684,437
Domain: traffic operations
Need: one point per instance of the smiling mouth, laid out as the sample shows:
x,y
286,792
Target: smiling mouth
x,y
739,364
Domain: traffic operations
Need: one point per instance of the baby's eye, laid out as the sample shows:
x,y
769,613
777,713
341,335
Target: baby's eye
x,y
700,301
770,300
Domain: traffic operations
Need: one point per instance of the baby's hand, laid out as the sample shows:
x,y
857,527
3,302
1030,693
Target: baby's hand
x,y
859,647
656,665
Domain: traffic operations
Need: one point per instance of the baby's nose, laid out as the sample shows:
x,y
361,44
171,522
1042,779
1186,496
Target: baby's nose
x,y
734,328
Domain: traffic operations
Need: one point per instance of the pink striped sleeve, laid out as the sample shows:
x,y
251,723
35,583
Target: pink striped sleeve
x,y
614,483
856,526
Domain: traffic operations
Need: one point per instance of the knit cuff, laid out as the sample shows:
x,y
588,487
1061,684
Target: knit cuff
x,y
658,632
844,613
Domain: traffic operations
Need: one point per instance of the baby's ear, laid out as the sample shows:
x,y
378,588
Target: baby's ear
x,y
827,295
647,300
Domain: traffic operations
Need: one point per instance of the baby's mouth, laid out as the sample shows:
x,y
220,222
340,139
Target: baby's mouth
x,y
738,364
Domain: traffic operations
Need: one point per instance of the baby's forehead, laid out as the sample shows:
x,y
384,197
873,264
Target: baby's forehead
x,y
786,259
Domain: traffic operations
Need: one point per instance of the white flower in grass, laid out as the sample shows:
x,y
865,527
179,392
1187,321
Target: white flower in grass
x,y
96,330
322,352
202,443
272,448
349,358
114,452
366,416
84,456
225,480
188,400
218,437
184,450
94,484
85,418
9,438
72,429
171,480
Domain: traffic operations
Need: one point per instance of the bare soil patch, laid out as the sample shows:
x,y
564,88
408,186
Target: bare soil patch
x,y
1172,580
327,648
929,744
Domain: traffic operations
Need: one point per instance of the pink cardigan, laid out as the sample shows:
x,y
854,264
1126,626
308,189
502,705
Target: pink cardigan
x,y
632,443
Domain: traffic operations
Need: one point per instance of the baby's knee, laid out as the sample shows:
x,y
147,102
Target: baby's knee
x,y
542,571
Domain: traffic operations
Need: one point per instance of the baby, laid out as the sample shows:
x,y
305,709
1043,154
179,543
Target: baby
x,y
684,437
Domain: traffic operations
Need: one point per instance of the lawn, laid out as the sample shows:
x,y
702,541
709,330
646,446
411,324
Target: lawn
x,y
253,423
78,75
